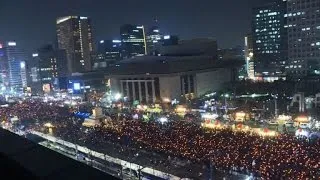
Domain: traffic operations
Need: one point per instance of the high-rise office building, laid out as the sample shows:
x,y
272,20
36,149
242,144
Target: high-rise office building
x,y
269,40
74,35
248,54
13,68
133,40
108,52
154,38
231,53
46,67
303,37
4,68
170,40
189,47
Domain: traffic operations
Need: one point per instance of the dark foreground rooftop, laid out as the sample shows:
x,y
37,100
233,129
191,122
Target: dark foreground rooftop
x,y
21,158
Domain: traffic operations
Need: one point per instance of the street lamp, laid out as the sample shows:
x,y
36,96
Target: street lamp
x,y
275,97
225,102
117,96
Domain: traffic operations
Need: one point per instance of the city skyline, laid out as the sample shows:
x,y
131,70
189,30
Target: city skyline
x,y
207,19
160,89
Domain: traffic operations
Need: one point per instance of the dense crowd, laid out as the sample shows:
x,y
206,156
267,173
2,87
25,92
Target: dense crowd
x,y
34,110
281,157
275,158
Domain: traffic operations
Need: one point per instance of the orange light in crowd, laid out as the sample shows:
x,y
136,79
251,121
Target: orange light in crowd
x,y
302,119
181,109
240,114
284,117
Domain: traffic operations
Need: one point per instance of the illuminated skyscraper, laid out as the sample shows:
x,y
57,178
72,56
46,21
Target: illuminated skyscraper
x,y
154,38
269,40
303,37
13,68
3,69
133,40
46,67
74,35
248,53
108,52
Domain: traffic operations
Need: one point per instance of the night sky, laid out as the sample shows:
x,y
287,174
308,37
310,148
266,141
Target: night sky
x,y
32,22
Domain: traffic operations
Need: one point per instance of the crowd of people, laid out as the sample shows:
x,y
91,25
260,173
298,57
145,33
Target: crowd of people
x,y
34,110
281,157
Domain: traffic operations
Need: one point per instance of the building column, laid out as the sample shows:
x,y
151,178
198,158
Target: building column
x,y
195,85
140,93
133,91
147,93
182,85
122,90
189,84
128,95
153,92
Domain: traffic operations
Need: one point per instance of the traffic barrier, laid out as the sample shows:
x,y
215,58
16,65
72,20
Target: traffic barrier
x,y
105,157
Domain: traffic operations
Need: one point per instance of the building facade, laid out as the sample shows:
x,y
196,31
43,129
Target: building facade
x,y
231,53
46,67
13,68
133,40
74,35
4,69
189,47
150,79
167,87
154,38
170,40
269,40
108,52
303,37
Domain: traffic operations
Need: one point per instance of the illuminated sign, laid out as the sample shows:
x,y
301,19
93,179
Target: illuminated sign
x,y
116,41
139,27
209,116
83,17
166,37
22,65
46,88
35,55
12,43
27,90
76,86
